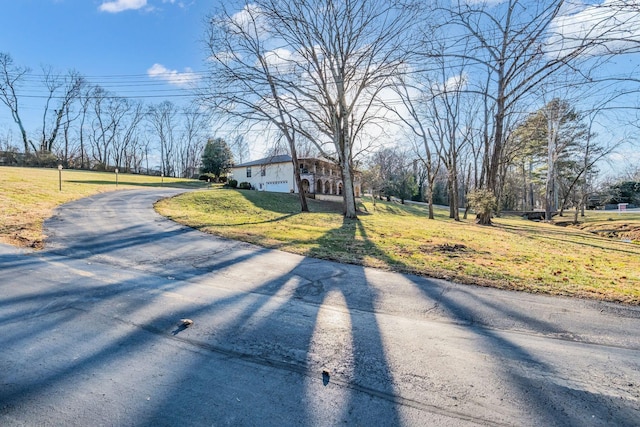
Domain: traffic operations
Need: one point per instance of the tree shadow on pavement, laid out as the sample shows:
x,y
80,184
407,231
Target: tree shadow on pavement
x,y
475,314
315,323
252,325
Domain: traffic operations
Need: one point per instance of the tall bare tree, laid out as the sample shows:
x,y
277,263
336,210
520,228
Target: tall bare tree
x,y
315,68
343,54
11,76
518,46
163,119
99,137
245,76
85,98
192,139
412,111
110,114
128,128
65,91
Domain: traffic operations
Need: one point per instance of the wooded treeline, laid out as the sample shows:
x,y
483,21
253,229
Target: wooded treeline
x,y
85,126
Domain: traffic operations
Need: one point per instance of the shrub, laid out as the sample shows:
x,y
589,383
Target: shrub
x,y
212,178
232,183
244,186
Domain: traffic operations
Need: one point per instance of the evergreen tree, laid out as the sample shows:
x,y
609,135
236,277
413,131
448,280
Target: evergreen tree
x,y
217,157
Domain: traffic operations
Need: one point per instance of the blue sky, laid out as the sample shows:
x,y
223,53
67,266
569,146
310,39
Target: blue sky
x,y
109,42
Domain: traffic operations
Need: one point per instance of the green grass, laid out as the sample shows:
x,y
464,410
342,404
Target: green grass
x,y
513,254
28,196
590,260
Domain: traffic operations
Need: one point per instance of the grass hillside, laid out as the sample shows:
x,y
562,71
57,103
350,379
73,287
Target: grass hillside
x,y
28,196
513,254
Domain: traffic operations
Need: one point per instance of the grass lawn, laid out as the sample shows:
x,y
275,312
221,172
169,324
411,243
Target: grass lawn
x,y
513,254
598,259
28,196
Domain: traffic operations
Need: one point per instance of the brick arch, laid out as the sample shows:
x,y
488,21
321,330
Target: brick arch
x,y
305,185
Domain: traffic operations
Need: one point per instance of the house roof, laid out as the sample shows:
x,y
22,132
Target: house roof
x,y
284,158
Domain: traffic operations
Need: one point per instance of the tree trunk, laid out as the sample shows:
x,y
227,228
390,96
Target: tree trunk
x,y
296,172
454,195
484,218
549,191
344,144
349,199
430,200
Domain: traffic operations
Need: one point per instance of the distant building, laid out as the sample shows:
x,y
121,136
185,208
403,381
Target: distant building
x,y
276,174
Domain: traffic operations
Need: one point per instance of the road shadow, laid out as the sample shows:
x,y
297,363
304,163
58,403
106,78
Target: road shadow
x,y
259,329
303,318
471,310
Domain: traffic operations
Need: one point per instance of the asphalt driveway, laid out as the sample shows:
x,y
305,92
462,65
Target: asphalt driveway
x,y
89,335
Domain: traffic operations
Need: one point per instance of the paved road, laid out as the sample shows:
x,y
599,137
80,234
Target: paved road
x,y
89,336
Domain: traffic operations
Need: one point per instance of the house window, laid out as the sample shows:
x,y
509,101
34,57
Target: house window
x,y
248,171
263,170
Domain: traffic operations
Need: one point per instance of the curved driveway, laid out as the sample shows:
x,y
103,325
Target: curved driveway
x,y
89,336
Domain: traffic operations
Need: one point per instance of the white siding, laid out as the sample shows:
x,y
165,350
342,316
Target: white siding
x,y
277,177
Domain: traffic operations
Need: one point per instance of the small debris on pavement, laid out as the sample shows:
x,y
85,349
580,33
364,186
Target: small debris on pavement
x,y
185,322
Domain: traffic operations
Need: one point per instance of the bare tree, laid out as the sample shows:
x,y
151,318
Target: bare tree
x,y
343,54
128,127
163,120
100,128
65,90
517,46
11,76
240,148
109,117
192,140
447,127
413,113
70,150
314,69
85,98
244,76
563,130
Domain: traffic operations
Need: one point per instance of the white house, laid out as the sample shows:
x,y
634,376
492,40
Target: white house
x,y
276,174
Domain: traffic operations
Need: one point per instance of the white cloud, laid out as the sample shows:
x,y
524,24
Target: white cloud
x,y
160,72
612,24
117,6
280,60
249,20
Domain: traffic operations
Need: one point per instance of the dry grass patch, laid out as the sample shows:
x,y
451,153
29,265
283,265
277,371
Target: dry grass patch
x,y
28,196
514,254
